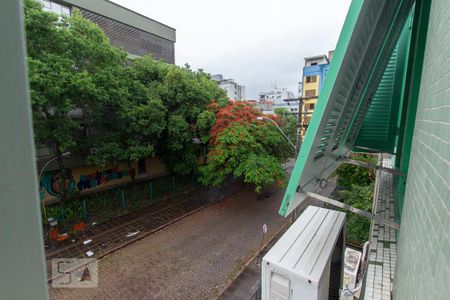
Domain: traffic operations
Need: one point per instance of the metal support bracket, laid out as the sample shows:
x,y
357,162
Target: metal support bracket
x,y
367,149
352,209
371,166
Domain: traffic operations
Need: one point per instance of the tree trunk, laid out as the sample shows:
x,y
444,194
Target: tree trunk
x,y
133,178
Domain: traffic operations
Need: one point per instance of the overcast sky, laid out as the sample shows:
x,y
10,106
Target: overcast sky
x,y
255,42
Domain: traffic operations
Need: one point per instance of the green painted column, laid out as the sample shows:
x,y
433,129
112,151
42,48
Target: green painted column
x,y
22,267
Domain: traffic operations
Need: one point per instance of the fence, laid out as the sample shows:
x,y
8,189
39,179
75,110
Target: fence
x,y
105,204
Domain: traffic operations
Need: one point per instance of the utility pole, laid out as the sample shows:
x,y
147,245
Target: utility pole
x,y
300,117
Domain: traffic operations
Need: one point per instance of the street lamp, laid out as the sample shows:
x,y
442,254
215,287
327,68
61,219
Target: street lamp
x,y
64,155
276,125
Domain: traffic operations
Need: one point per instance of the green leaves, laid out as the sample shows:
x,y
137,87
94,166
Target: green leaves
x,y
244,148
349,175
260,170
131,108
205,121
185,95
359,197
358,185
71,66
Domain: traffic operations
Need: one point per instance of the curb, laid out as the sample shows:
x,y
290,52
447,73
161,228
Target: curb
x,y
252,258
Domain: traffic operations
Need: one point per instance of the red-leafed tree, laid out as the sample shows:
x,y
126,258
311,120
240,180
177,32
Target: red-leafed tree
x,y
244,147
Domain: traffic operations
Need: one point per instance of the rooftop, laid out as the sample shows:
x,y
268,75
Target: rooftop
x,y
124,15
322,56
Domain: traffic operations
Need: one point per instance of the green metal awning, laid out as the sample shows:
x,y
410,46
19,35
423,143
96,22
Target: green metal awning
x,y
361,80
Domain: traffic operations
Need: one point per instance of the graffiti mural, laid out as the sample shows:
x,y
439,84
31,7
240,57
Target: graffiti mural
x,y
98,178
53,182
57,181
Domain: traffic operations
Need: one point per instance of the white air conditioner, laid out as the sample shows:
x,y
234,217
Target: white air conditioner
x,y
92,150
307,262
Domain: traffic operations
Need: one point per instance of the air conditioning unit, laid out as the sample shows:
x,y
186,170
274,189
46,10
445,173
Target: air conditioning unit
x,y
92,150
307,262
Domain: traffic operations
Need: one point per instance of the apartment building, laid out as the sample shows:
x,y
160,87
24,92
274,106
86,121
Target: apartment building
x,y
127,29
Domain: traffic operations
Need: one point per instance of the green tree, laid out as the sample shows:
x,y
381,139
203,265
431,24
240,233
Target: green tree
x,y
288,123
138,107
185,94
245,148
67,57
358,184
358,227
205,121
348,175
129,118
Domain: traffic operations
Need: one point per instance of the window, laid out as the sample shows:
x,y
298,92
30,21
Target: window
x,y
314,64
47,4
65,10
55,7
310,79
310,93
311,106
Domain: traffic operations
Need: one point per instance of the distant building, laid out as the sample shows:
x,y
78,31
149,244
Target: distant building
x,y
126,29
277,96
234,90
314,73
330,55
265,106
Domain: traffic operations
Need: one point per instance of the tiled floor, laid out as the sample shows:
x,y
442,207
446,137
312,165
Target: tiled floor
x,y
383,247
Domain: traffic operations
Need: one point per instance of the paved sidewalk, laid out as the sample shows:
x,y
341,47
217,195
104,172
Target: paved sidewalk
x,y
247,286
191,259
119,231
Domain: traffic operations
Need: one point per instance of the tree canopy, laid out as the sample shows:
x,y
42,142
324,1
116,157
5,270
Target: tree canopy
x,y
68,60
132,108
244,147
288,122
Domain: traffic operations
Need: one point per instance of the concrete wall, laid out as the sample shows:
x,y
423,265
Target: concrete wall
x,y
423,268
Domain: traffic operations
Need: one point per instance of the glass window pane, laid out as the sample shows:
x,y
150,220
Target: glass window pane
x,y
47,4
56,8
65,10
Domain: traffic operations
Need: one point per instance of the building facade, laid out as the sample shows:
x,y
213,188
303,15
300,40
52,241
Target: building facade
x,y
126,29
265,106
314,72
234,90
277,96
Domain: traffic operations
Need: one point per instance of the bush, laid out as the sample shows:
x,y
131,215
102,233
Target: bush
x,y
349,175
358,185
359,197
